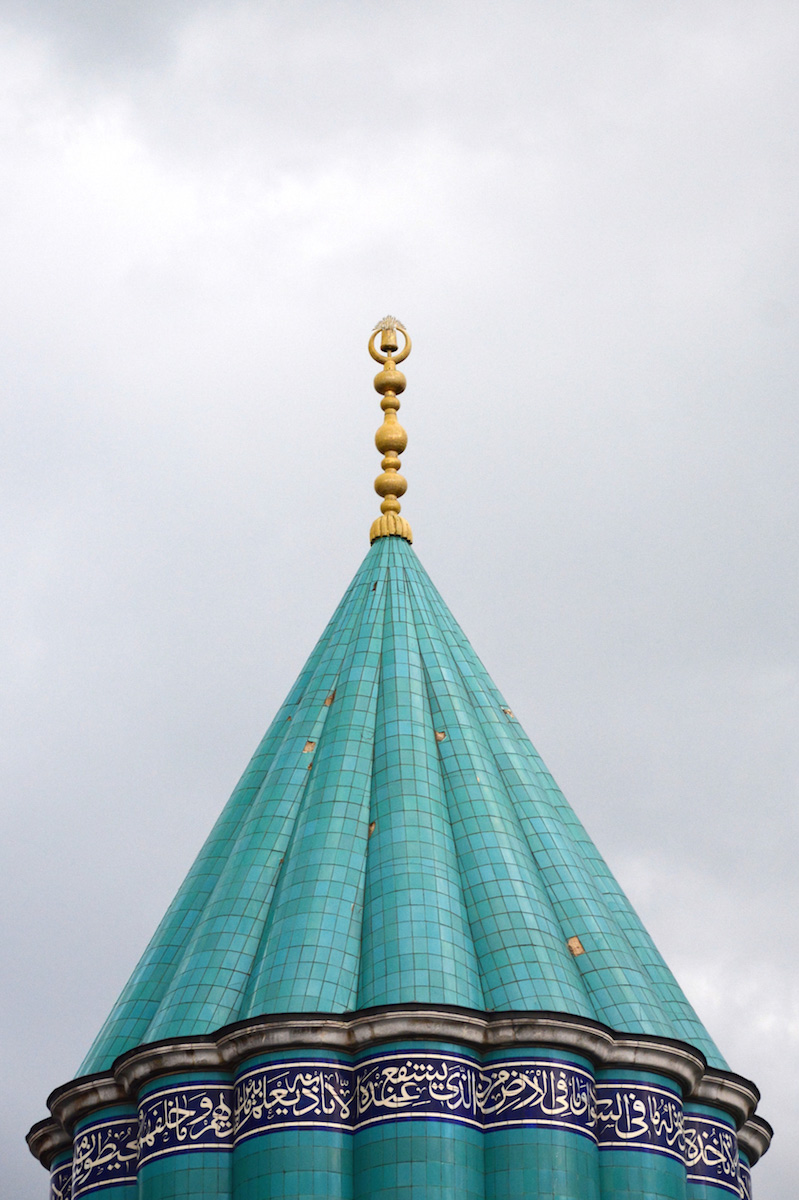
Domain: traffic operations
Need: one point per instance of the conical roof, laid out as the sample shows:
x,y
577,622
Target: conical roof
x,y
396,838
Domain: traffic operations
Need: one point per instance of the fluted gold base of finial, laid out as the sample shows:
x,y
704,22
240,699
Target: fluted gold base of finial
x,y
390,525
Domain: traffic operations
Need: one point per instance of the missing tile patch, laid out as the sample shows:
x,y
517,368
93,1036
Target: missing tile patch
x,y
575,945
440,735
308,747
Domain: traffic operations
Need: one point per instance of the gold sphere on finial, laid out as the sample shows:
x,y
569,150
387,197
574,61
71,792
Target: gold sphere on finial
x,y
390,439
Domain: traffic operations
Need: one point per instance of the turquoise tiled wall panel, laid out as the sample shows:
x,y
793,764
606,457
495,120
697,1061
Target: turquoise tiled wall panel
x,y
198,1175
310,959
312,1164
548,1164
416,943
636,1175
418,1160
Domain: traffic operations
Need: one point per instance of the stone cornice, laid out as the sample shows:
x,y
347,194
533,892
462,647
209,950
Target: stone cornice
x,y
481,1032
72,1101
138,1067
46,1139
679,1061
733,1093
755,1138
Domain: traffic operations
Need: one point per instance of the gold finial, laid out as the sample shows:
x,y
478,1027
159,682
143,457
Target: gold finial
x,y
390,439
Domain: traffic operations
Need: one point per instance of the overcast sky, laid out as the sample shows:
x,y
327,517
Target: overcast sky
x,y
585,214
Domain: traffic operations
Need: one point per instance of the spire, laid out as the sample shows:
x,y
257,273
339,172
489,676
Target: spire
x,y
390,439
399,957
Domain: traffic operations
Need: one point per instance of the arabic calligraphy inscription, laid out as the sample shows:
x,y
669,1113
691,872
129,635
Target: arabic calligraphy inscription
x,y
196,1117
639,1115
711,1153
392,1087
61,1182
533,1092
104,1154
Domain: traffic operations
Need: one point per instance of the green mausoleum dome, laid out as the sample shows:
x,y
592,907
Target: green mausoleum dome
x,y
399,967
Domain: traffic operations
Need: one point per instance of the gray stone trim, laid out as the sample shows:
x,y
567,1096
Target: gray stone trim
x,y
754,1138
733,1093
46,1139
680,1062
75,1100
481,1032
138,1067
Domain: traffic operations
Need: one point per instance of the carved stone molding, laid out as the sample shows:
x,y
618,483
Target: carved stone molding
x,y
754,1138
139,1066
46,1139
75,1100
733,1093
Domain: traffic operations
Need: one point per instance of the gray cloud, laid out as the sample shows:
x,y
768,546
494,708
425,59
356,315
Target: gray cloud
x,y
587,221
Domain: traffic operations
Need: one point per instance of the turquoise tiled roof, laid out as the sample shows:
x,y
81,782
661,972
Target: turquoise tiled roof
x,y
396,838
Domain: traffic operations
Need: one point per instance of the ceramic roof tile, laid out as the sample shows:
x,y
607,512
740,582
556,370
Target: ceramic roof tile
x,y
426,856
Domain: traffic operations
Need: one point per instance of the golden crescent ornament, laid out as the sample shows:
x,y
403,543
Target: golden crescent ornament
x,y
397,358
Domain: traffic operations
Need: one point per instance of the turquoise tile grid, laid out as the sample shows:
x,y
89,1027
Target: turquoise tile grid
x,y
416,942
403,866
197,1176
621,994
523,957
128,1022
634,1175
536,792
541,1163
228,936
311,952
418,1160
291,1165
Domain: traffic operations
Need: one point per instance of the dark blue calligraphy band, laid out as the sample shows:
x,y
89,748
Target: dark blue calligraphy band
x,y
393,1087
635,1116
104,1156
311,1094
509,1092
711,1153
534,1092
61,1182
185,1117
